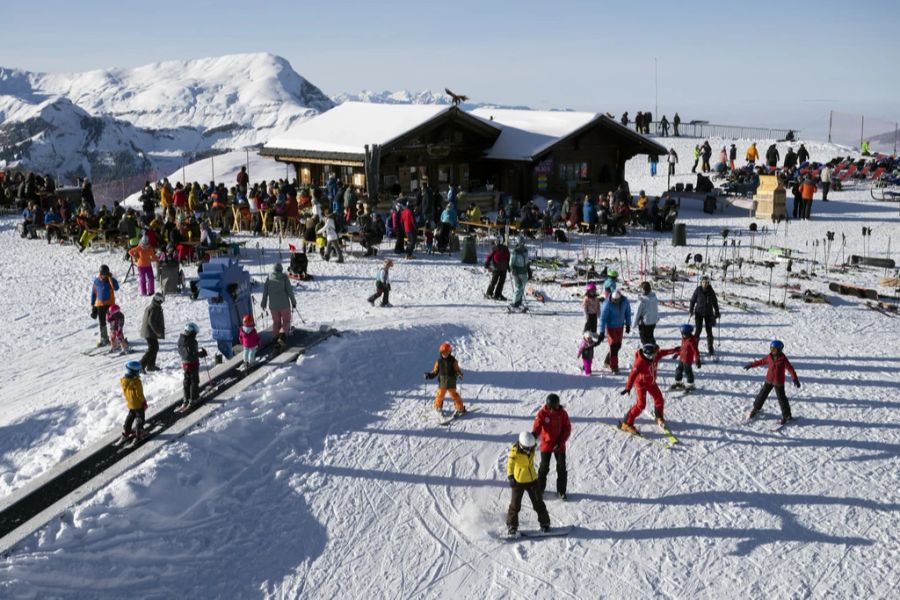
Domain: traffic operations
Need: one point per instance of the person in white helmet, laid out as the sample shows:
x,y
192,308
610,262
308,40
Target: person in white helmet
x,y
523,478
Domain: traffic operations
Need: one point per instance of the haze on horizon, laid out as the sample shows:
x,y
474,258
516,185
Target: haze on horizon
x,y
765,63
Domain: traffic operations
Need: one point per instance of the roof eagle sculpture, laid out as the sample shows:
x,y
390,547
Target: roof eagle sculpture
x,y
456,98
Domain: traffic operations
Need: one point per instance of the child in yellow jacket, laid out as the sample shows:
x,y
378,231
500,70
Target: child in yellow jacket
x,y
133,390
523,478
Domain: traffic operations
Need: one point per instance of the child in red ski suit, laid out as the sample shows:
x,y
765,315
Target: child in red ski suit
x,y
249,340
777,363
688,354
643,377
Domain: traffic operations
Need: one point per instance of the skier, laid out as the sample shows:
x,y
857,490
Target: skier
x,y
190,363
249,338
615,316
153,328
647,315
591,305
116,321
688,355
333,241
704,307
518,264
446,369
144,257
383,285
586,351
103,295
497,263
553,428
133,390
752,155
524,479
673,157
777,362
278,295
643,378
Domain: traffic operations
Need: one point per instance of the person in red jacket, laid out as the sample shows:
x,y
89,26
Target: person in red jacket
x,y
688,354
552,427
777,363
408,221
643,377
497,263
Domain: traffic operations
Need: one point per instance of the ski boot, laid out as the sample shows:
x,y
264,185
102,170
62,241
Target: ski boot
x,y
562,496
785,420
752,414
661,422
545,529
512,530
676,386
627,427
460,412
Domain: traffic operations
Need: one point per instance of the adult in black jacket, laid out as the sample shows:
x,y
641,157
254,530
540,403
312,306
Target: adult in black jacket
x,y
772,156
790,160
497,263
705,309
802,154
153,327
190,363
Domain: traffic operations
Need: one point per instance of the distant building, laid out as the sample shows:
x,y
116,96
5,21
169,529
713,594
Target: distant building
x,y
487,151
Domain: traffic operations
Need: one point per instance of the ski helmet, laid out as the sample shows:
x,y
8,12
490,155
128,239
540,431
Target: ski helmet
x,y
649,350
248,320
113,309
104,270
552,400
191,328
445,347
526,440
158,298
592,287
687,329
132,367
777,344
612,273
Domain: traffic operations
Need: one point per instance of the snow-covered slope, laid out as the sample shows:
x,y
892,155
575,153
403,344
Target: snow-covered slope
x,y
162,110
408,97
330,479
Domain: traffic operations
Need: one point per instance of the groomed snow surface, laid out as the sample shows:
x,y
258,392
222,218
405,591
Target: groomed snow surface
x,y
330,478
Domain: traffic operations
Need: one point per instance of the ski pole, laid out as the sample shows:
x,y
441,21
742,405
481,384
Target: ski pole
x,y
206,366
297,311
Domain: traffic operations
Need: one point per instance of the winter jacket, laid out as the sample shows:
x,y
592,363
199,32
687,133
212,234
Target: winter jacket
x,y
116,323
450,216
328,230
278,293
615,314
103,292
704,303
802,154
180,198
154,324
688,352
249,340
777,364
825,174
188,351
447,371
647,310
520,465
408,220
498,259
643,371
384,276
553,428
133,390
589,212
807,190
586,348
590,304
144,256
752,153
518,262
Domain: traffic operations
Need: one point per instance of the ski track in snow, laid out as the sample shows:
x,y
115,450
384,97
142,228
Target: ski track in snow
x,y
331,478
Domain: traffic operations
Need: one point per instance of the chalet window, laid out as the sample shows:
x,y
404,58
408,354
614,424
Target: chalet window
x,y
573,171
359,180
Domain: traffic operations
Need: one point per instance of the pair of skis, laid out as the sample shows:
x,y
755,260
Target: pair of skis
x,y
445,420
670,442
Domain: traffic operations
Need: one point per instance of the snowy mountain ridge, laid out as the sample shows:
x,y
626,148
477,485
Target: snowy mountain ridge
x,y
409,97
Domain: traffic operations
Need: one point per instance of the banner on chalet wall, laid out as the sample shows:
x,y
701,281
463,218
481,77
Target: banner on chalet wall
x,y
542,170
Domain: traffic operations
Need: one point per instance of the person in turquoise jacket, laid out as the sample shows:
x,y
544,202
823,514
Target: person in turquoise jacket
x,y
615,317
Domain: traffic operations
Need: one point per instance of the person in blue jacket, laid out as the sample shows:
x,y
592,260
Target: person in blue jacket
x,y
614,319
53,224
103,295
589,214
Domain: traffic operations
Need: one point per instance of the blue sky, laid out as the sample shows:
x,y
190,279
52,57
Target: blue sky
x,y
749,63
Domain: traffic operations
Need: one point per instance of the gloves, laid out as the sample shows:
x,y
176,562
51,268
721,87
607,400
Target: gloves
x,y
430,375
93,312
293,306
699,365
796,383
512,481
625,392
628,329
747,367
202,353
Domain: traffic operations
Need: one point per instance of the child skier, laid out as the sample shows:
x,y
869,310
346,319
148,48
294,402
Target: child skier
x,y
383,285
429,238
249,340
190,363
524,479
688,354
643,377
553,427
446,369
116,321
591,305
777,363
133,390
586,351
615,317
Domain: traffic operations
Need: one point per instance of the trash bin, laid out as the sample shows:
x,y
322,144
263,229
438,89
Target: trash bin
x,y
469,254
679,234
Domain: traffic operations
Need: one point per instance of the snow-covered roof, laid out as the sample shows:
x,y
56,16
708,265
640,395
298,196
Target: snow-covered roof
x,y
525,133
350,126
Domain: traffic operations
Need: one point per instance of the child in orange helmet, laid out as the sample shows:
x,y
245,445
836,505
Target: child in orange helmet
x,y
446,369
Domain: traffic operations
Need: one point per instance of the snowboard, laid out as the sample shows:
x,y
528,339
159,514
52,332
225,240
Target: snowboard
x,y
563,531
871,261
852,290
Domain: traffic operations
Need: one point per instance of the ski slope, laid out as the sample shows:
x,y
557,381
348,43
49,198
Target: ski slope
x,y
331,480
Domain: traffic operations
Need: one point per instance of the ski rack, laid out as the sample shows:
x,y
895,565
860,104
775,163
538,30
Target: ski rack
x,y
77,477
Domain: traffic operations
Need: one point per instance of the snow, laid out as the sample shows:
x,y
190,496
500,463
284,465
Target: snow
x,y
349,127
329,479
